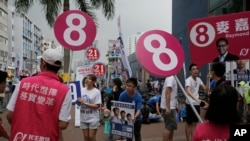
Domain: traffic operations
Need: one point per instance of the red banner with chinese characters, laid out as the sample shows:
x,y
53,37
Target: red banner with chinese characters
x,y
207,38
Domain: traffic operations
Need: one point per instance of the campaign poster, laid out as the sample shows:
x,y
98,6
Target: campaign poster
x,y
122,114
237,71
116,69
114,49
205,35
83,71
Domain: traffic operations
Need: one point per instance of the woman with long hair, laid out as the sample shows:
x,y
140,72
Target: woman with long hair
x,y
90,101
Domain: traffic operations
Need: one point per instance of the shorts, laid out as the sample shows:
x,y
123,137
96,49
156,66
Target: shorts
x,y
91,125
169,120
191,117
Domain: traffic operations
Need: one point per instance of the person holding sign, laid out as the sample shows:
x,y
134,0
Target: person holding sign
x,y
90,101
130,95
40,105
222,48
221,113
192,85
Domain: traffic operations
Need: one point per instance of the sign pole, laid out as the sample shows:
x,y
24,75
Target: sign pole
x,y
184,92
70,62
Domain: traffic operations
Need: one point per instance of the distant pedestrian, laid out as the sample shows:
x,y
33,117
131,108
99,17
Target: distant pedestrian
x,y
149,86
154,104
40,105
116,91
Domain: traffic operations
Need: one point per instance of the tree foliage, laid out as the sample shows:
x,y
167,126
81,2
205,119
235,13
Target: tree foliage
x,y
52,7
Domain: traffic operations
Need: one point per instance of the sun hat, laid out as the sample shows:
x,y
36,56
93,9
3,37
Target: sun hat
x,y
53,57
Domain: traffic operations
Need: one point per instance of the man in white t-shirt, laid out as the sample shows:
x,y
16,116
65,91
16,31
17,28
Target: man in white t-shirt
x,y
168,107
192,85
156,86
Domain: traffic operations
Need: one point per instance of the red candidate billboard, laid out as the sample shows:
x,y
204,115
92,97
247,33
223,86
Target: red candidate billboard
x,y
219,38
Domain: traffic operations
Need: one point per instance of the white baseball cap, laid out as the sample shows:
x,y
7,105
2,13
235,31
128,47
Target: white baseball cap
x,y
53,57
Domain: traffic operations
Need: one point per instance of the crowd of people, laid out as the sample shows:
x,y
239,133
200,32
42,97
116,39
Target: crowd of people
x,y
45,98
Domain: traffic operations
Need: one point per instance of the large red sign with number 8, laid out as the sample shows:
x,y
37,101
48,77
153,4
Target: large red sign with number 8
x,y
99,69
75,30
160,53
205,32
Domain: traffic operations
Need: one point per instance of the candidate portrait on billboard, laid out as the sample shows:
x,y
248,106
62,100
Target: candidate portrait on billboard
x,y
219,38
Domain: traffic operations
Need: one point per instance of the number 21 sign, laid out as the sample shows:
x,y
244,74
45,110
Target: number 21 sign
x,y
99,69
92,54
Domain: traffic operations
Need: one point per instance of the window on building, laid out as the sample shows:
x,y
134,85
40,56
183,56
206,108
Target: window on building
x,y
219,7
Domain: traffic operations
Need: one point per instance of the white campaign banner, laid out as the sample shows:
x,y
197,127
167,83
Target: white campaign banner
x,y
81,72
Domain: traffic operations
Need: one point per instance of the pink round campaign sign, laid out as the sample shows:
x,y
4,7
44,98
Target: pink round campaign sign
x,y
75,30
160,53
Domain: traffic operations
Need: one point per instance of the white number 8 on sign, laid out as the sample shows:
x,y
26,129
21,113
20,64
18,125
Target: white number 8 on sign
x,y
158,51
77,28
74,29
202,34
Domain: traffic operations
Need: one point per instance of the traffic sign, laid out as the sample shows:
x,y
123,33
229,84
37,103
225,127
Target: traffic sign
x,y
92,54
159,53
99,69
74,30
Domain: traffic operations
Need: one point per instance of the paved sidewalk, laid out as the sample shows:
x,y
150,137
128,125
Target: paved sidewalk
x,y
149,132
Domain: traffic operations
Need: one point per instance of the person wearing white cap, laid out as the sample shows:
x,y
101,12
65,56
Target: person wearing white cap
x,y
40,105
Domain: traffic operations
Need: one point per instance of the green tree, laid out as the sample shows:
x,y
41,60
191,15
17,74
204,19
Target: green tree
x,y
52,8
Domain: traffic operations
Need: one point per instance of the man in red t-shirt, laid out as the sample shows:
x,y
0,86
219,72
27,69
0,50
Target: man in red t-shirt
x,y
40,102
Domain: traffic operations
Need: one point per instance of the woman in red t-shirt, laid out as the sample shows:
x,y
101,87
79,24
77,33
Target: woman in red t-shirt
x,y
221,113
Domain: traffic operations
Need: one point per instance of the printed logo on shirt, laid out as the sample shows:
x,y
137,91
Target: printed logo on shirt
x,y
20,136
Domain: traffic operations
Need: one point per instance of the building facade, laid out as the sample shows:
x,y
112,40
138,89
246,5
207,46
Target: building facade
x,y
132,40
25,44
220,7
182,13
3,34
